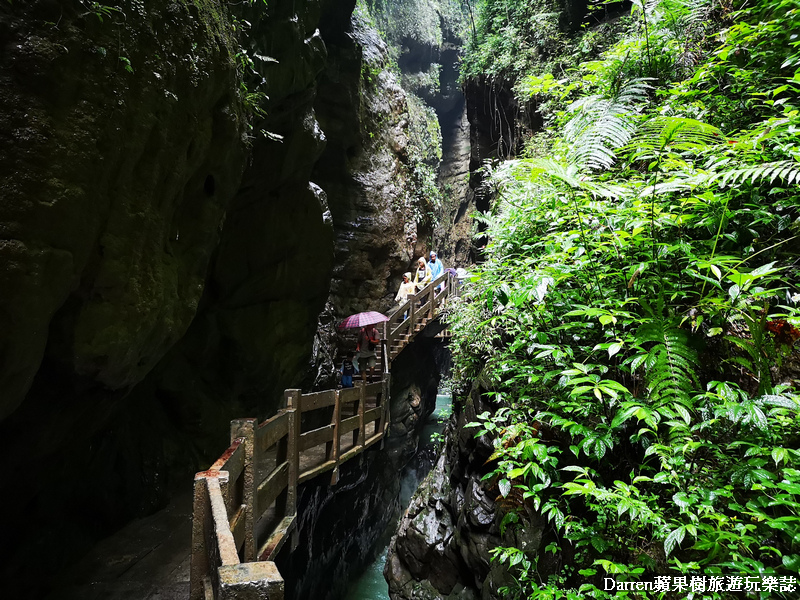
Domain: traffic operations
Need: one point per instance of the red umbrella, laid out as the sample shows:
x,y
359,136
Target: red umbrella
x,y
363,318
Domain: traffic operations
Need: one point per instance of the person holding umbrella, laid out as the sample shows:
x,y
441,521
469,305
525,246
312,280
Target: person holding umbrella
x,y
368,338
368,341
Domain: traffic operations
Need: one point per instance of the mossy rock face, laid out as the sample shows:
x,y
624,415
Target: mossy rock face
x,y
123,150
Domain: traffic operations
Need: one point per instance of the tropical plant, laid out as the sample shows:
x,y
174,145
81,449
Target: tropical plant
x,y
635,321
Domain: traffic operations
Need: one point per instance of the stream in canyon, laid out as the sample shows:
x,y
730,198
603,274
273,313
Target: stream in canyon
x,y
371,585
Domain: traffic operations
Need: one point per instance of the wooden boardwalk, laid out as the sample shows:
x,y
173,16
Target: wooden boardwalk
x,y
151,558
245,504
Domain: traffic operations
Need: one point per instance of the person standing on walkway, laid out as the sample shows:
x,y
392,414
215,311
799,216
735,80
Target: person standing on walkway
x,y
422,274
348,369
406,289
367,343
436,267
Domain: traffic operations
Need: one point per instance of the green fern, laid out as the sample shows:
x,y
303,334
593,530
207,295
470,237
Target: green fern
x,y
602,125
684,18
675,134
670,363
555,176
786,170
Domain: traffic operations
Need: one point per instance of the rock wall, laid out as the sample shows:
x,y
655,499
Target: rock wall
x,y
452,236
121,147
424,38
165,252
442,548
366,174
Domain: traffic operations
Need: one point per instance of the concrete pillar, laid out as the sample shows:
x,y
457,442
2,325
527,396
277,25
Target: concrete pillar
x,y
246,428
251,581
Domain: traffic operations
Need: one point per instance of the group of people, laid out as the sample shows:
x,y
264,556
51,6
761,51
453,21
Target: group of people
x,y
423,275
366,346
368,339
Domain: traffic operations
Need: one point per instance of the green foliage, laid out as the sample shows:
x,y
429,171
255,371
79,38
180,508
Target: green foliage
x,y
636,319
600,125
509,36
101,11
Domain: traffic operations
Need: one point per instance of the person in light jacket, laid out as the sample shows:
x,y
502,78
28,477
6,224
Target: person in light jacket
x,y
406,289
422,274
437,268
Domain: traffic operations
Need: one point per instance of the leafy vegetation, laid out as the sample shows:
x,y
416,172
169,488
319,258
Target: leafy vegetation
x,y
635,321
510,37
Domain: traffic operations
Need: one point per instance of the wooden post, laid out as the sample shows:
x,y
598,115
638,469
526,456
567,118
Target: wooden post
x,y
387,413
380,426
250,581
281,456
385,349
412,309
246,428
201,522
362,400
293,451
336,450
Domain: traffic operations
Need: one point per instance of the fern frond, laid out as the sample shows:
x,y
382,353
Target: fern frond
x,y
672,133
601,125
784,170
556,176
682,16
671,363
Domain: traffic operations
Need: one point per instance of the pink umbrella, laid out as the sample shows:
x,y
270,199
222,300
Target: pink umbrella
x,y
363,318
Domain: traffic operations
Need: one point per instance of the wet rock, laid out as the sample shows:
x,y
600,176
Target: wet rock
x,y
110,213
445,539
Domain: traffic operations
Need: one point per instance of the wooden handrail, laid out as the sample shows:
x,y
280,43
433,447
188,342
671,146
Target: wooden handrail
x,y
245,504
256,479
420,308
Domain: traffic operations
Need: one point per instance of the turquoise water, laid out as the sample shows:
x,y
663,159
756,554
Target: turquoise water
x,y
371,585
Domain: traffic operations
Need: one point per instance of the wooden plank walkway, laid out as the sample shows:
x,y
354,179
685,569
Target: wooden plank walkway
x,y
220,541
245,505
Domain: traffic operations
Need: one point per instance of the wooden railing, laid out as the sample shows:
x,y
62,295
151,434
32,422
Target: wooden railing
x,y
245,504
415,314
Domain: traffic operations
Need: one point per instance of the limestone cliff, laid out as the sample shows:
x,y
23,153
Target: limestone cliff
x,y
425,40
121,146
442,548
169,226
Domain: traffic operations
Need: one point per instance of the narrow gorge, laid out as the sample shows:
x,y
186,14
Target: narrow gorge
x,y
196,194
